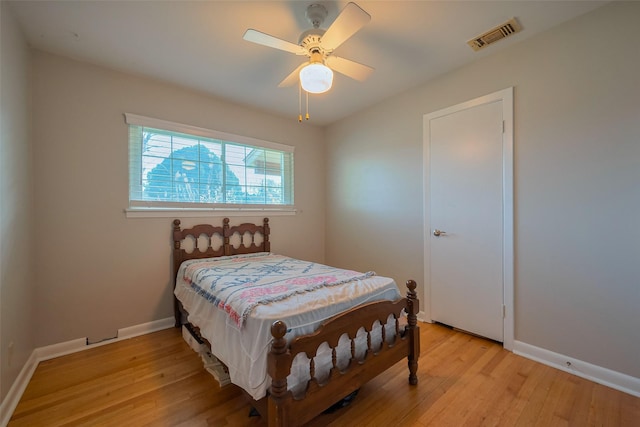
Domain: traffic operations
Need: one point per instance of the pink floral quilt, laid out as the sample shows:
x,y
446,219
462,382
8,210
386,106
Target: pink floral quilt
x,y
237,284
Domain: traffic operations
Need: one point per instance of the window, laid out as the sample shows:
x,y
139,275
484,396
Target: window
x,y
179,166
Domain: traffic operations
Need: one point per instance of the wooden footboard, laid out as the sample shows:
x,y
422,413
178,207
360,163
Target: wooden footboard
x,y
284,410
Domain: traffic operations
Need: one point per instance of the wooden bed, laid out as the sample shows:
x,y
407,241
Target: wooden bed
x,y
279,407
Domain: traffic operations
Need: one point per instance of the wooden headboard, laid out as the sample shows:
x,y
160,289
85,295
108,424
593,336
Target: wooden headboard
x,y
245,235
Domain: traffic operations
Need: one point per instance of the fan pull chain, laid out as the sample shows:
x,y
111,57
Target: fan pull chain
x,y
300,103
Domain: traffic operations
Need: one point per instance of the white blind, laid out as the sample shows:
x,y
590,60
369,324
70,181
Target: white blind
x,y
174,165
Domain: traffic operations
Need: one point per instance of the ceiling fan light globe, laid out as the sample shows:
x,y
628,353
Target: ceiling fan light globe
x,y
316,78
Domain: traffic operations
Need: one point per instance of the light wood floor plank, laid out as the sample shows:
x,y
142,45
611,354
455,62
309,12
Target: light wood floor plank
x,y
157,380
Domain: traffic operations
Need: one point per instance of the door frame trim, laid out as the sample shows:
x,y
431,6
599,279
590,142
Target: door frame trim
x,y
506,97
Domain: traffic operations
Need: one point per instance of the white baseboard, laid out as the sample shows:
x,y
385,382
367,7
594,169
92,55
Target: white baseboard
x,y
146,328
17,389
598,374
80,344
422,316
41,354
61,349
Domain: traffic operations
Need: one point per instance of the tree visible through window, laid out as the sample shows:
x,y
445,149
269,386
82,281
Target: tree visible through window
x,y
181,177
169,168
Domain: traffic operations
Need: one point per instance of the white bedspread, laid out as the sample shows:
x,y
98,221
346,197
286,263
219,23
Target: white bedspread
x,y
244,348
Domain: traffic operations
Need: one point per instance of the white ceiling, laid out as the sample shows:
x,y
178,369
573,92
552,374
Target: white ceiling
x,y
198,44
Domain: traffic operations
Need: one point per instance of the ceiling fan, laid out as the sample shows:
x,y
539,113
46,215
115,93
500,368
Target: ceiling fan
x,y
316,75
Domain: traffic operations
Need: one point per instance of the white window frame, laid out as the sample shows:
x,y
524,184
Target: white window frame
x,y
153,210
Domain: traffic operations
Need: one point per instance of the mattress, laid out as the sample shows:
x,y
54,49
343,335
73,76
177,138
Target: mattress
x,y
242,342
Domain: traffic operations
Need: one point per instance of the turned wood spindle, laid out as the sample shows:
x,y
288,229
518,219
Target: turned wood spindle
x,y
414,331
353,348
334,358
312,367
278,348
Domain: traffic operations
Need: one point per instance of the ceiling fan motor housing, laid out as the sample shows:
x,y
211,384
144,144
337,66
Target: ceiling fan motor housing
x,y
310,41
316,14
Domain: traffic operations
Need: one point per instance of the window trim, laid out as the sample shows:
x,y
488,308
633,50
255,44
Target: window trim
x,y
151,211
143,212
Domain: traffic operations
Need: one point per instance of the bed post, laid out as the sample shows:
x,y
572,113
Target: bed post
x,y
177,312
265,227
413,307
278,367
225,233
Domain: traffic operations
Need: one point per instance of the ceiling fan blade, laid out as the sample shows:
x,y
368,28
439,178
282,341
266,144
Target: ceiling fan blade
x,y
258,37
348,22
292,78
349,68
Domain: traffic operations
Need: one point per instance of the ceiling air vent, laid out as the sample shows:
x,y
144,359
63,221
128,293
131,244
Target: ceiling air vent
x,y
493,35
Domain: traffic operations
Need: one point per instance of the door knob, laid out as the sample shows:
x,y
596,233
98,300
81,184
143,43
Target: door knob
x,y
438,233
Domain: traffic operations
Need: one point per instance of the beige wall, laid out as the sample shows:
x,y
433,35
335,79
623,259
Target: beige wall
x,y
98,271
16,202
576,175
577,198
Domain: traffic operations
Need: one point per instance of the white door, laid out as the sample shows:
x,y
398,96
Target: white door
x,y
465,217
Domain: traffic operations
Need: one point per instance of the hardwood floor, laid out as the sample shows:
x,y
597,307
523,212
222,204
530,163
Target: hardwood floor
x,y
464,380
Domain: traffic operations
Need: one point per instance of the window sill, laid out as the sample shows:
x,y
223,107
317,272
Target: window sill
x,y
141,212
